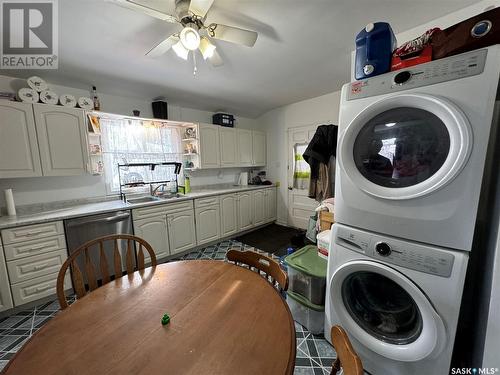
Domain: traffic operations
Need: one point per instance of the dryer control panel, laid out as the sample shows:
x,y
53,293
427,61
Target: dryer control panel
x,y
447,69
406,254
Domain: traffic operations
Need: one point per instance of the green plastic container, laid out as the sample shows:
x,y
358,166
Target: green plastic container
x,y
304,312
307,274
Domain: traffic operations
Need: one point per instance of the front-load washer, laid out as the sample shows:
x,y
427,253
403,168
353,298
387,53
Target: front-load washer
x,y
398,300
412,148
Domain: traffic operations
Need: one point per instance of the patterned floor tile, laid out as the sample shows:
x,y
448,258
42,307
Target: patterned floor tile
x,y
314,354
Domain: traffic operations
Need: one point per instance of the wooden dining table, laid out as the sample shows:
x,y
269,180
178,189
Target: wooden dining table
x,y
224,319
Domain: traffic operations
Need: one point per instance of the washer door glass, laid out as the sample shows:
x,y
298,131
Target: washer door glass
x,y
381,307
401,147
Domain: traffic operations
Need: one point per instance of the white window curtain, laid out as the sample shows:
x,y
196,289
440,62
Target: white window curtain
x,y
137,141
301,170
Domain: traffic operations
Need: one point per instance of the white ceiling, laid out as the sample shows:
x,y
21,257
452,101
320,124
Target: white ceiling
x,y
303,50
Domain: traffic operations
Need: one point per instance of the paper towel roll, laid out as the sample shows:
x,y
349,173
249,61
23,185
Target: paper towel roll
x,y
9,200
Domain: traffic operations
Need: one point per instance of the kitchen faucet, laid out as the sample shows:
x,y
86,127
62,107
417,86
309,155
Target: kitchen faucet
x,y
155,190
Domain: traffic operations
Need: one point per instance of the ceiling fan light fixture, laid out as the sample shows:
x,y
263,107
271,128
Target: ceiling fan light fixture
x,y
180,50
190,38
207,49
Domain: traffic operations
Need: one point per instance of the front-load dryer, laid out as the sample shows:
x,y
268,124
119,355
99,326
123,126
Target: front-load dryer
x,y
398,301
412,148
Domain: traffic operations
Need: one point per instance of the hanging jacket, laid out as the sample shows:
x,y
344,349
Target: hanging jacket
x,y
318,155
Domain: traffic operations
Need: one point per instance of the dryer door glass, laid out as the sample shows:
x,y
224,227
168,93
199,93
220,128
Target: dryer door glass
x,y
401,147
381,307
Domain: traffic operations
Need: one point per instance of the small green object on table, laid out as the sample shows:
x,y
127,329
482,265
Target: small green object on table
x,y
165,320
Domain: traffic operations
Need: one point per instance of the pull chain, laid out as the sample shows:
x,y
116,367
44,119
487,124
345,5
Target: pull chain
x,y
195,68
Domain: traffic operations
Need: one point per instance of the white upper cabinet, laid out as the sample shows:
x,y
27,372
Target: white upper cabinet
x,y
228,147
258,148
209,146
245,157
62,140
19,156
229,214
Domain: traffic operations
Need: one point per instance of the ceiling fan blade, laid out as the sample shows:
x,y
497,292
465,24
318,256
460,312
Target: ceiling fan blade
x,y
163,46
233,34
133,5
200,7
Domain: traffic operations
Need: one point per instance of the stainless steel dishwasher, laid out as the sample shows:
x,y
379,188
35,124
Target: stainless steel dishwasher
x,y
84,229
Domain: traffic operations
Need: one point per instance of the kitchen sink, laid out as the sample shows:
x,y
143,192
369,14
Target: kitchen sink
x,y
169,196
143,200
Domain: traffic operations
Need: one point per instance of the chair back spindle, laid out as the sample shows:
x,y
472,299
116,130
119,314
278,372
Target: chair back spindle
x,y
100,274
261,264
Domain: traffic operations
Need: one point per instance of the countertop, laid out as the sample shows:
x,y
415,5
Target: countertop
x,y
86,209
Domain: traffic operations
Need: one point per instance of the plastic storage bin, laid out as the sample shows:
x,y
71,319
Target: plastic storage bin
x,y
304,312
307,274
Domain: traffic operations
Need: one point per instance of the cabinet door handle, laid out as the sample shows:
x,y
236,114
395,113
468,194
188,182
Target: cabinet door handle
x,y
42,288
28,234
40,266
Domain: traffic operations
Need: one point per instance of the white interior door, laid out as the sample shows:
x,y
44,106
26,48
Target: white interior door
x,y
300,206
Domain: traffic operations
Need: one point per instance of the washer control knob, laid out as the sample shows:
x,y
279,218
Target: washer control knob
x,y
402,77
383,249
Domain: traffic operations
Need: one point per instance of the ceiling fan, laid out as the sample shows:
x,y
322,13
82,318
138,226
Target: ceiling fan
x,y
195,34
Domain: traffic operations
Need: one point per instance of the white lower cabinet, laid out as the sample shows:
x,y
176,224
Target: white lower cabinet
x,y
36,266
34,289
34,255
229,214
270,211
181,231
5,296
259,207
245,211
207,224
154,231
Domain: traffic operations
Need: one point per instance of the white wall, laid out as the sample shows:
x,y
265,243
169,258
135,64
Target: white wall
x,y
317,111
49,189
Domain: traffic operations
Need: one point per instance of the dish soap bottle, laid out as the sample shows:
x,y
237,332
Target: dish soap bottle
x,y
95,99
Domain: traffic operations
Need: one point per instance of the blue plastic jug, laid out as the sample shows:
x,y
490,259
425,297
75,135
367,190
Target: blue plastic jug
x,y
374,47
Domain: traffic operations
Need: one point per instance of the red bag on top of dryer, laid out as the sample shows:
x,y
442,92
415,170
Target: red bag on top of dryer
x,y
414,52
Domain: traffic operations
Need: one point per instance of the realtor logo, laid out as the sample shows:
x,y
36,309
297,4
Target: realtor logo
x,y
29,34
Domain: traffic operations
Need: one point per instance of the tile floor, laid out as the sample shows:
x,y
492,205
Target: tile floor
x,y
314,354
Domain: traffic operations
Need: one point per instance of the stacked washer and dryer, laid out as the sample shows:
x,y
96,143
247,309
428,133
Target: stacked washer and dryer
x,y
411,153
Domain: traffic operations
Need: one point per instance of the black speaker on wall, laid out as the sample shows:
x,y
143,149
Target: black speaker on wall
x,y
160,109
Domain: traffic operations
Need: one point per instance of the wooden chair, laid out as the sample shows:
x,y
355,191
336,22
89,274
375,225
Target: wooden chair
x,y
260,263
90,271
346,356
